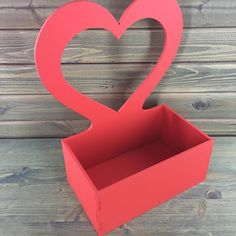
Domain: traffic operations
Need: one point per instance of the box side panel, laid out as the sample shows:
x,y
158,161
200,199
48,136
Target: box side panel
x,y
139,193
81,186
178,133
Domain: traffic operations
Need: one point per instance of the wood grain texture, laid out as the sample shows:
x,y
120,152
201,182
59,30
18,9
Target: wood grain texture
x,y
30,14
99,46
66,128
189,105
35,198
120,78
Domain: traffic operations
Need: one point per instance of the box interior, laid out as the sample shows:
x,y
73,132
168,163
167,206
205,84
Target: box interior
x,y
162,135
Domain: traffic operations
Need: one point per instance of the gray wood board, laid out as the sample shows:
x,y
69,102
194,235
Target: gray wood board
x,y
121,78
65,128
189,105
35,198
98,46
30,14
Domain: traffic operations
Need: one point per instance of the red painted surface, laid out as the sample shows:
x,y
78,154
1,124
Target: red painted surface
x,y
132,160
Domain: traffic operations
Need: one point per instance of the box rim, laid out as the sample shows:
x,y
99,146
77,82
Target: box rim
x,y
208,140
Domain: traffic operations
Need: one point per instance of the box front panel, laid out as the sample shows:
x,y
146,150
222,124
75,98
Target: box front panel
x,y
139,193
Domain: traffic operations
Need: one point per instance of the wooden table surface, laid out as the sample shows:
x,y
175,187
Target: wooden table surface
x,y
35,198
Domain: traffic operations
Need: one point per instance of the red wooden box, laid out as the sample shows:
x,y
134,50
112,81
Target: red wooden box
x,y
128,161
165,156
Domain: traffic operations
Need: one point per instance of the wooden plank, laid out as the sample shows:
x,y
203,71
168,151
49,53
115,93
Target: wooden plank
x,y
42,129
216,126
189,105
65,128
28,14
35,198
98,46
119,78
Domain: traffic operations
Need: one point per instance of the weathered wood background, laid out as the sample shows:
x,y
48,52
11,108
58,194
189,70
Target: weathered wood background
x,y
201,86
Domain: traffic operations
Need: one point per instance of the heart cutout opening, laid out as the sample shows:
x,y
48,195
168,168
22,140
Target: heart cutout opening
x,y
108,70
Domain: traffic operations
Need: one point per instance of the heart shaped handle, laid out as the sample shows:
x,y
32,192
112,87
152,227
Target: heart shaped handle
x,y
169,15
75,17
